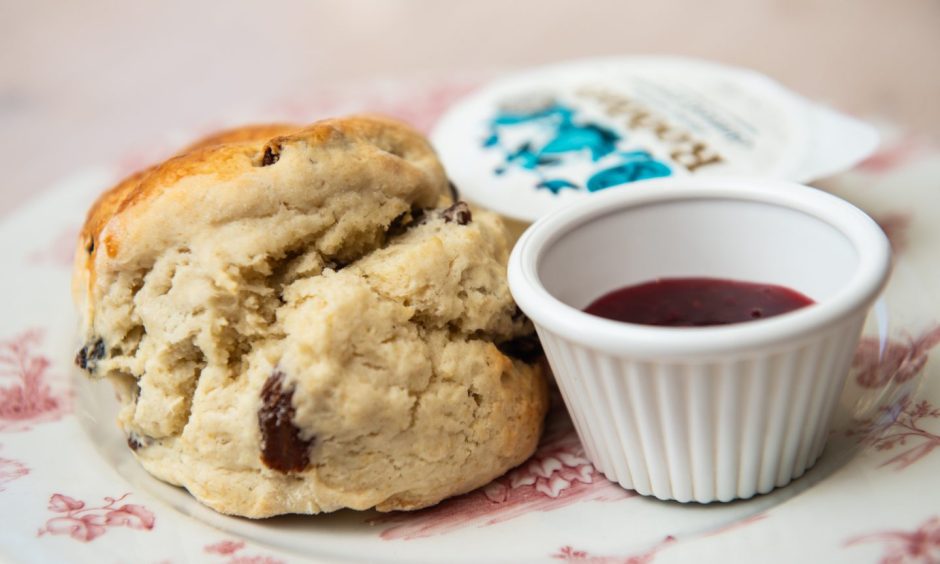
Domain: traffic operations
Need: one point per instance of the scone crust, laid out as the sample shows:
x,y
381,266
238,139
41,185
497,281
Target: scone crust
x,y
291,325
125,221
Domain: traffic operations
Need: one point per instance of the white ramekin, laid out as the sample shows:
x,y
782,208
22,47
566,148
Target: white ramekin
x,y
714,413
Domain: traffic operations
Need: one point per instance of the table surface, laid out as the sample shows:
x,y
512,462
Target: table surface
x,y
84,83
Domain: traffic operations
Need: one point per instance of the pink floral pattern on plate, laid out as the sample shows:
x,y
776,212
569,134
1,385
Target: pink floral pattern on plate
x,y
419,105
876,365
895,225
422,108
894,155
230,548
737,525
557,475
570,554
900,425
85,524
225,548
60,251
28,399
11,470
921,546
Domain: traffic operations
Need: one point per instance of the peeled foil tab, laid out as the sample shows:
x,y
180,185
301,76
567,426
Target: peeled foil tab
x,y
528,144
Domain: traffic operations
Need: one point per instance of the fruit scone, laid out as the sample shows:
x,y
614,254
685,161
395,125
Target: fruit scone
x,y
293,325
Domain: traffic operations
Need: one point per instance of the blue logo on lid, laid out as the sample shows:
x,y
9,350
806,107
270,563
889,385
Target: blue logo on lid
x,y
551,137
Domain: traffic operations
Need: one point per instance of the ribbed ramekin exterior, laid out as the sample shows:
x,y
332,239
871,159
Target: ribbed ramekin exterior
x,y
705,430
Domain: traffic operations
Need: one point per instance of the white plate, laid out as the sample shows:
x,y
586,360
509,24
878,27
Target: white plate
x,y
71,491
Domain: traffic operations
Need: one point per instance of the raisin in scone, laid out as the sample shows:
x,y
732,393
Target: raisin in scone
x,y
294,326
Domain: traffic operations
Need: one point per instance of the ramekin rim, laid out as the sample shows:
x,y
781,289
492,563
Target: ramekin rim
x,y
619,338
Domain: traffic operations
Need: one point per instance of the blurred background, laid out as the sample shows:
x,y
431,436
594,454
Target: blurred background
x,y
105,81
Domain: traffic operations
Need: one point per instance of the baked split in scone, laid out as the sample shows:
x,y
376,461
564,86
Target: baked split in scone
x,y
294,326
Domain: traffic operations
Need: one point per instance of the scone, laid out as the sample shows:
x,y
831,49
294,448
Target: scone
x,y
292,325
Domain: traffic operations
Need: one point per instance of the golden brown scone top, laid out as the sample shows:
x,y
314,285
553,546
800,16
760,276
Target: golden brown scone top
x,y
111,201
233,174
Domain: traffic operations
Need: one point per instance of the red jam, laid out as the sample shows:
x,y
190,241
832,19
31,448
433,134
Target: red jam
x,y
696,302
